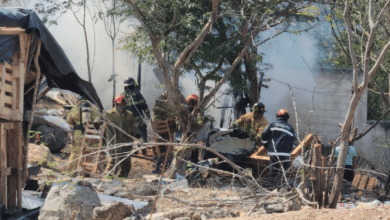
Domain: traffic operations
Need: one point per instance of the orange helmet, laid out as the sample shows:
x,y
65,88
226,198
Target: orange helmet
x,y
282,113
192,98
120,99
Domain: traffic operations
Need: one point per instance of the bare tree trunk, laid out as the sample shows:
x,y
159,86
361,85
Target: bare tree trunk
x,y
86,43
113,70
316,173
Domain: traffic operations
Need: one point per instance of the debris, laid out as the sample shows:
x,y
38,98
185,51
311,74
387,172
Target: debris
x,y
39,155
70,201
144,190
110,192
113,211
179,185
155,178
105,199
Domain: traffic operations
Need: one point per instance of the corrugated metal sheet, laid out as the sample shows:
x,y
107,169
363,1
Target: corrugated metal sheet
x,y
31,201
105,199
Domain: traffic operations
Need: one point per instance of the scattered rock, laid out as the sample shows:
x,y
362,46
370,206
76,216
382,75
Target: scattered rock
x,y
84,183
69,201
110,192
53,135
122,194
144,190
33,170
155,178
39,155
179,185
112,184
181,214
114,211
279,207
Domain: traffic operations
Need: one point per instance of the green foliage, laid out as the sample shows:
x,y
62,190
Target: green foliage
x,y
178,23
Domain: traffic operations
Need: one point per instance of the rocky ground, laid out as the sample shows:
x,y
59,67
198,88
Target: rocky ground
x,y
183,200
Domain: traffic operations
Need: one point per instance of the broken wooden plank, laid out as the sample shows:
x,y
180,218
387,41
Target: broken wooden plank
x,y
22,43
304,144
356,180
372,182
11,31
363,182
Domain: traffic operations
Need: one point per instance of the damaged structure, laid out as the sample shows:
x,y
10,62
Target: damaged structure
x,y
31,63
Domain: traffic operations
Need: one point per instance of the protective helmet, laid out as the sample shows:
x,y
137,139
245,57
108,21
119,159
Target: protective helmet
x,y
283,113
130,82
192,99
119,99
258,107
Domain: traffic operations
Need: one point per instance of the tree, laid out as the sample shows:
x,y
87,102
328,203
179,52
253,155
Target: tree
x,y
50,8
183,42
111,26
362,45
194,25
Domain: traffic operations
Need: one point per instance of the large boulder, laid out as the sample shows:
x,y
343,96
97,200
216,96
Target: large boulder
x,y
39,155
70,201
53,135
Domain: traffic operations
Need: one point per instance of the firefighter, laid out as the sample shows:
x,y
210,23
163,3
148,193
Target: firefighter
x,y
279,139
123,119
253,123
78,117
162,112
136,103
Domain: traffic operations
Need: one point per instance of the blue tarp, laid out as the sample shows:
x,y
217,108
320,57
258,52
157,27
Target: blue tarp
x,y
53,61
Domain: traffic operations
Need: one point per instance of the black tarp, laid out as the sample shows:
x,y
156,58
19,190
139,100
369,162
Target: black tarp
x,y
53,61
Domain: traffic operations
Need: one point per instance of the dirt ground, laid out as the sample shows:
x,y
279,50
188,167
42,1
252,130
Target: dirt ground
x,y
225,189
363,211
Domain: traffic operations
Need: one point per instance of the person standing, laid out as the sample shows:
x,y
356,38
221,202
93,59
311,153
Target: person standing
x,y
350,161
124,120
136,103
279,139
253,123
75,118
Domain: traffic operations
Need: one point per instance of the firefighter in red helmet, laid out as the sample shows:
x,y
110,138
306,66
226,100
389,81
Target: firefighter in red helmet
x,y
279,139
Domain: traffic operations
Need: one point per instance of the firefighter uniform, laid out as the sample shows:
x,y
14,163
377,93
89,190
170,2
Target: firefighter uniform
x,y
125,121
162,112
253,126
136,103
74,119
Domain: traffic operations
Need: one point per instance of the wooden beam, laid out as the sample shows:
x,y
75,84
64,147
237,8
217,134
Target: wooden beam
x,y
3,166
31,51
2,93
12,161
34,101
15,87
22,42
19,128
11,31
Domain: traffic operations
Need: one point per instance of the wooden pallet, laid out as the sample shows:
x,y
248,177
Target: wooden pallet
x,y
11,163
12,78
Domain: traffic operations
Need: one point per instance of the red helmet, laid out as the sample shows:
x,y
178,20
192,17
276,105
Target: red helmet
x,y
282,113
120,99
192,98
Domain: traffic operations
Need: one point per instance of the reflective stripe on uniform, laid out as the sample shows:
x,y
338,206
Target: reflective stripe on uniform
x,y
279,154
283,130
264,142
